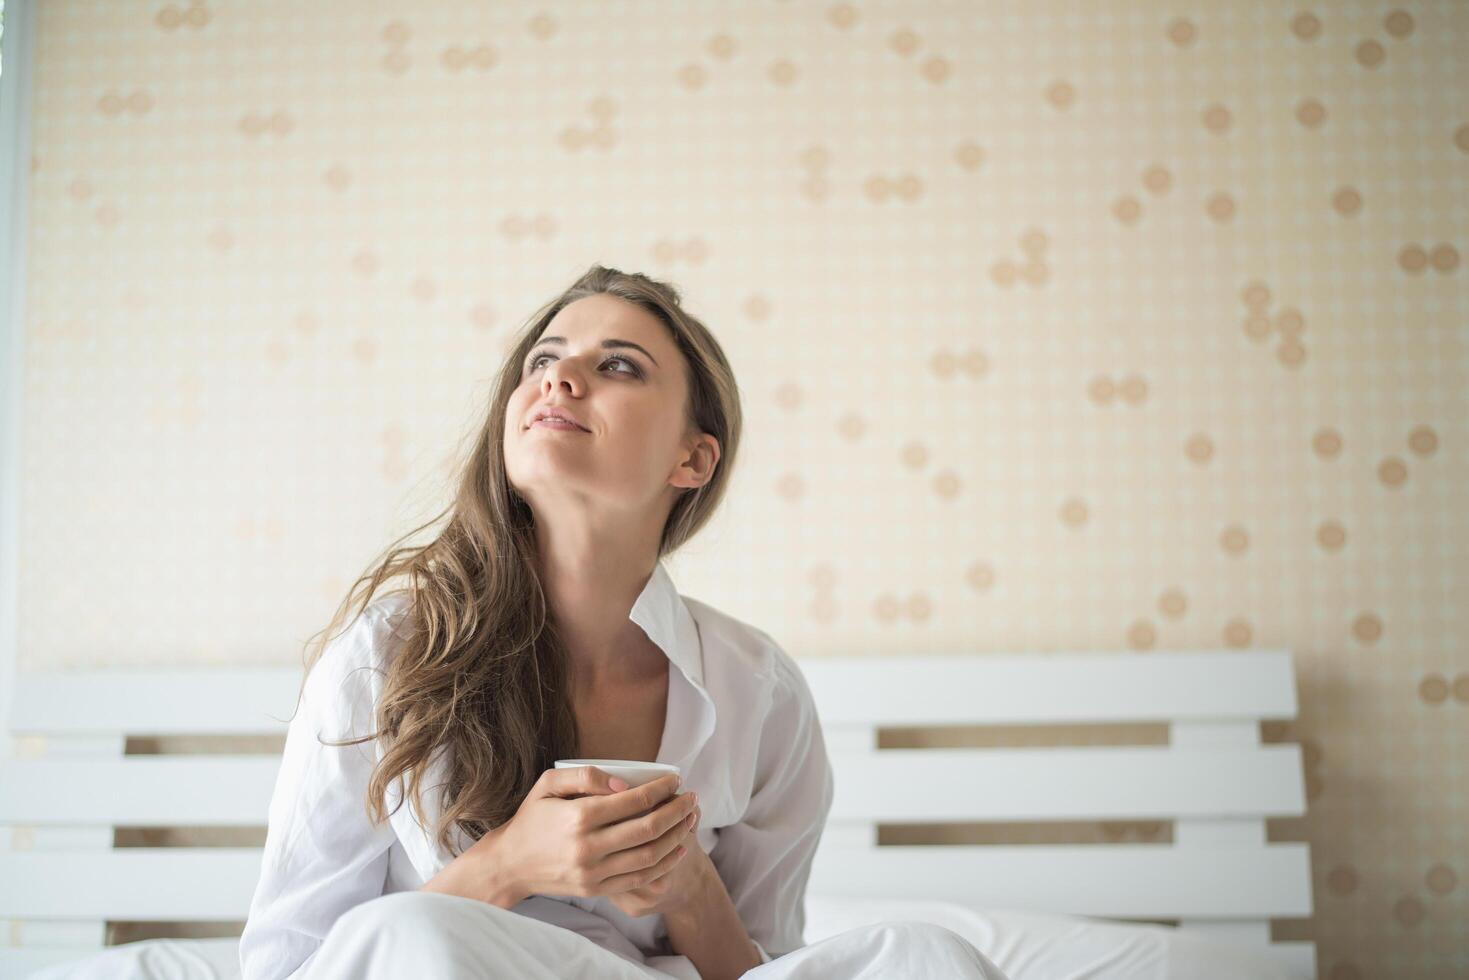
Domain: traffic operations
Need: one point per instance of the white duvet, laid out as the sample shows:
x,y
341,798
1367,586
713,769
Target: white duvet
x,y
1025,945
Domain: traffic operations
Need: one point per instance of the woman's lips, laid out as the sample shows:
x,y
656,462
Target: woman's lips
x,y
559,424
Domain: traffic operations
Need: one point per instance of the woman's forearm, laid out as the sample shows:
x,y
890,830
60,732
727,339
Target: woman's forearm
x,y
478,874
709,932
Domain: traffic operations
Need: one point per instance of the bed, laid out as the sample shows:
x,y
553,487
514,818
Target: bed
x,y
1102,910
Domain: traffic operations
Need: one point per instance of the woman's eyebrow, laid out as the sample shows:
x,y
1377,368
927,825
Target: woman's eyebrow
x,y
606,345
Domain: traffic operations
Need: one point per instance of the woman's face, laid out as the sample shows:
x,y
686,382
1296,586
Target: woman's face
x,y
630,397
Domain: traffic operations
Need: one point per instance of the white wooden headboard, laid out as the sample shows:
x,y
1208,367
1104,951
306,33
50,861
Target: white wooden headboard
x,y
1215,781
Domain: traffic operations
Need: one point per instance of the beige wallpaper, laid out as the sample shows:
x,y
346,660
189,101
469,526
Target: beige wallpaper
x,y
1060,326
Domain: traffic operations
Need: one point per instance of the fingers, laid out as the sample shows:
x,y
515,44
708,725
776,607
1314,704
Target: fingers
x,y
617,807
646,854
640,830
642,876
579,781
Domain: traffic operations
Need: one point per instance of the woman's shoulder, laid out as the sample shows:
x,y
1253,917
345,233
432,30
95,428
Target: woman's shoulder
x,y
728,639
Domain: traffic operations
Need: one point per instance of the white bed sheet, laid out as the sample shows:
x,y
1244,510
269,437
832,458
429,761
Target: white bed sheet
x,y
1026,945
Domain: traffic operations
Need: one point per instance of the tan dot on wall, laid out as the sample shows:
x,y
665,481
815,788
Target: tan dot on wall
x,y
1331,535
1073,512
1061,94
1199,448
788,396
1290,322
1181,31
1127,209
1133,389
980,576
974,362
1342,879
1347,201
722,46
919,607
1003,272
1235,540
1398,23
1157,179
1413,259
337,177
1423,440
851,426
842,15
1393,472
1101,389
1220,206
935,69
1291,353
1311,113
1327,443
1444,257
542,26
1408,910
943,363
1034,241
692,77
947,484
1217,118
914,455
903,41
1306,26
1255,296
1257,327
1141,635
1433,689
1370,53
968,155
782,72
1441,879
790,486
1367,628
1173,603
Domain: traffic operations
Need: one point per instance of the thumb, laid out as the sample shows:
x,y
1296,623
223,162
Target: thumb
x,y
582,780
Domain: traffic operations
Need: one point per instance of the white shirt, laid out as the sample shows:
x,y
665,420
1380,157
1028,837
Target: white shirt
x,y
741,726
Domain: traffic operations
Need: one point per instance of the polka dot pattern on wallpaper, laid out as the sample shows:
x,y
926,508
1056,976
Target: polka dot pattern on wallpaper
x,y
1081,326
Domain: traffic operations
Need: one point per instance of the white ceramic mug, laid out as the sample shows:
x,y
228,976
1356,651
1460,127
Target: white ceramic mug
x,y
630,771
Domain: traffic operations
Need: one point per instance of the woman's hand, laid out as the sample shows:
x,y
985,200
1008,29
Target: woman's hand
x,y
674,890
573,834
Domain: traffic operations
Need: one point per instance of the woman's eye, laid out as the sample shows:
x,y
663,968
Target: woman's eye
x,y
535,362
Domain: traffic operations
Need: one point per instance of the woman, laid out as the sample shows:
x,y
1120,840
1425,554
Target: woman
x,y
540,624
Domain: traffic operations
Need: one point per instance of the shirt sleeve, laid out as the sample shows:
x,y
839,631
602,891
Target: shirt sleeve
x,y
322,854
765,858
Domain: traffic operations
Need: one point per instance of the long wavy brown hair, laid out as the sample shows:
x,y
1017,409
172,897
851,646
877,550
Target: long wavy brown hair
x,y
482,672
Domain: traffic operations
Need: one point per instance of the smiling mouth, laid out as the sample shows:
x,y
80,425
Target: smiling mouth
x,y
557,424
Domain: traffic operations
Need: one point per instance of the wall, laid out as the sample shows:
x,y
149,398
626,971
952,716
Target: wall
x,y
1059,325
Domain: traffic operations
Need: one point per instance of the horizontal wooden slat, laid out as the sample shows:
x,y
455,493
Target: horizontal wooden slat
x,y
144,884
1118,782
1130,880
1298,957
1114,782
1121,880
21,961
140,791
205,701
1039,688
1052,688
